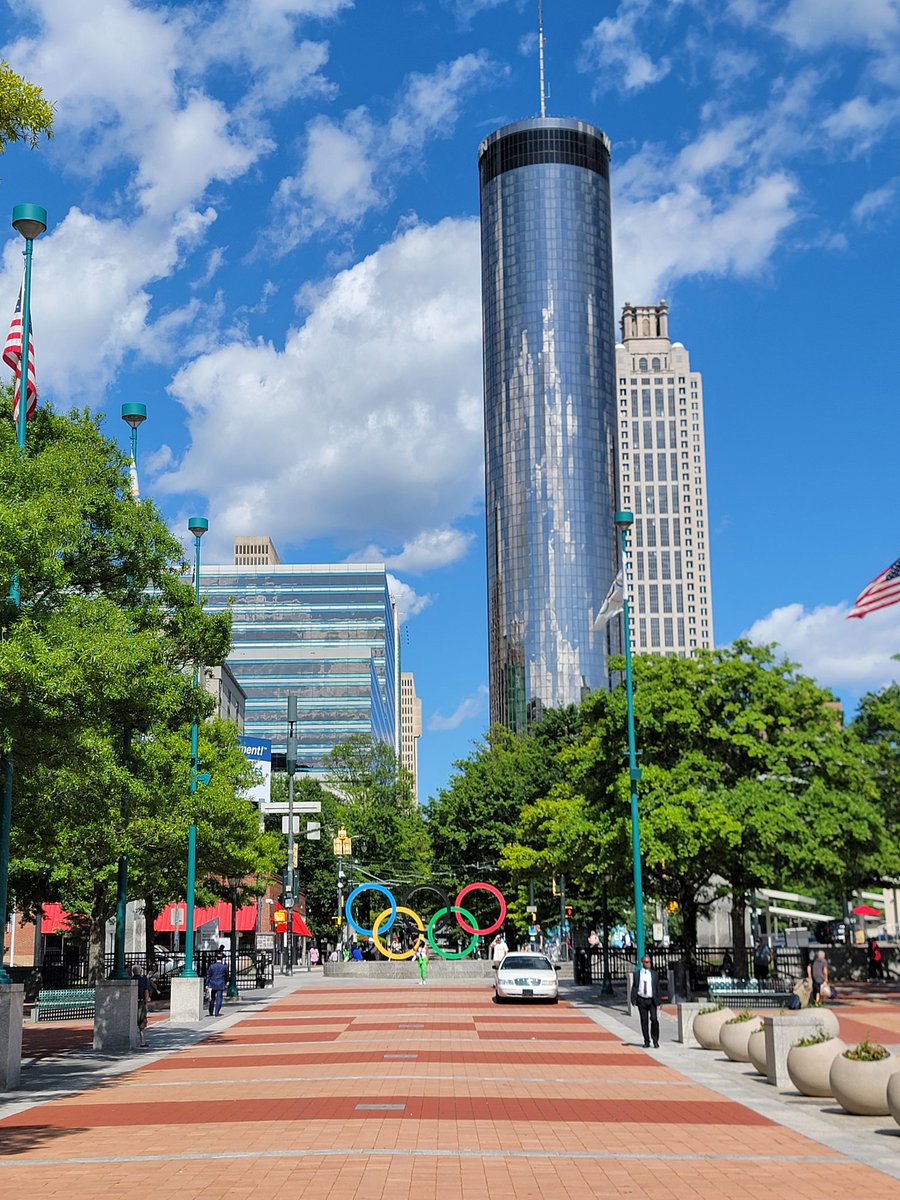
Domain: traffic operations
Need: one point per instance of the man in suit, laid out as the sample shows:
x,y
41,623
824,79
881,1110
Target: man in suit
x,y
645,995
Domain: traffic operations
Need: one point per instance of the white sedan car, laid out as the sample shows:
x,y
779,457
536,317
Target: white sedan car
x,y
526,976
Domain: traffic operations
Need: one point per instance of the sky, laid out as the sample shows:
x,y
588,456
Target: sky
x,y
264,225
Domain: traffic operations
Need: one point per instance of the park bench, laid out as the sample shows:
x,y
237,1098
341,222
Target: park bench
x,y
749,993
65,1004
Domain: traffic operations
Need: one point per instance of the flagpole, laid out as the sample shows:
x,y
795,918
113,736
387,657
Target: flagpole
x,y
30,220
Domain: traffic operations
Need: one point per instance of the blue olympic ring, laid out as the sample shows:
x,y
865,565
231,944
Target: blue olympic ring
x,y
370,887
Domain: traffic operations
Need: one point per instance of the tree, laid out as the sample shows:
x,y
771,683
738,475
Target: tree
x,y
877,724
748,776
96,695
24,112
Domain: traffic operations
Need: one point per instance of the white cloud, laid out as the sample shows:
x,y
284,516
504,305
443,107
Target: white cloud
x,y
812,24
875,202
428,550
389,445
614,52
350,167
408,601
861,121
471,707
91,289
685,231
839,653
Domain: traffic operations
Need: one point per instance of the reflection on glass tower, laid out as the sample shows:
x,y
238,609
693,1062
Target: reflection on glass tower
x,y
549,378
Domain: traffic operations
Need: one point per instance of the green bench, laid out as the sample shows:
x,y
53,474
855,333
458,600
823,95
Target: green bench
x,y
749,993
65,1004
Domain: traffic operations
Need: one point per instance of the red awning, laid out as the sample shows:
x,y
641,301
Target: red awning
x,y
174,916
866,910
299,926
54,919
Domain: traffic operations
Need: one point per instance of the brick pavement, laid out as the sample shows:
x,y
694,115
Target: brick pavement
x,y
357,1091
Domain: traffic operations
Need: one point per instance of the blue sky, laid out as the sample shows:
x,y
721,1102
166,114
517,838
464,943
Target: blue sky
x,y
263,223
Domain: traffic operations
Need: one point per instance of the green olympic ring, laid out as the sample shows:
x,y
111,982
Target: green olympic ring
x,y
448,953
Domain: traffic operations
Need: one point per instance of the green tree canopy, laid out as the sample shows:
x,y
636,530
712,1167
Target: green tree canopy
x,y
24,112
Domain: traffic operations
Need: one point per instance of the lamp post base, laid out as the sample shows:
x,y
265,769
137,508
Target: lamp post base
x,y
187,1001
115,1016
12,1003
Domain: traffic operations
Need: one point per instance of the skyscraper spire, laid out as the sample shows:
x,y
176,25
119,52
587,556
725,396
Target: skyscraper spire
x,y
541,56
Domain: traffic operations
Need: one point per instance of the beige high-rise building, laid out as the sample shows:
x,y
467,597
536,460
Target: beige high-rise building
x,y
410,727
255,550
662,479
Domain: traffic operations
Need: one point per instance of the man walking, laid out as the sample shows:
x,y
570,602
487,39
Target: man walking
x,y
216,979
645,995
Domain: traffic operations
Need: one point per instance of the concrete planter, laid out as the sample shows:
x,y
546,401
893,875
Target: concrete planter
x,y
861,1087
707,1027
893,1096
756,1050
810,1066
827,1018
734,1036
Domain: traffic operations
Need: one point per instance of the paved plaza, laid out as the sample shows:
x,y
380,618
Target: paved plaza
x,y
341,1089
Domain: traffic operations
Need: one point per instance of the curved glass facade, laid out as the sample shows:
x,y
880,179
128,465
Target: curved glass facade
x,y
549,380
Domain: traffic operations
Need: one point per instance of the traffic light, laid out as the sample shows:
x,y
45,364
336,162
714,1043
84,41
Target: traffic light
x,y
296,855
568,910
335,920
554,890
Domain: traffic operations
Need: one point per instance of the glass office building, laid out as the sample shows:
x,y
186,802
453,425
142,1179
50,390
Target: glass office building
x,y
326,633
549,381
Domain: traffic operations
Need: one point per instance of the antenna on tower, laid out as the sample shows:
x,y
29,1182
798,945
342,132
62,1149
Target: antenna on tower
x,y
541,56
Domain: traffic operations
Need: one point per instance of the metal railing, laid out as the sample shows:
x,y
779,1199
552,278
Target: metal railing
x,y
255,969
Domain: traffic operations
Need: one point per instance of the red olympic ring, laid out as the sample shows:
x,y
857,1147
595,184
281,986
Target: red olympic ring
x,y
489,887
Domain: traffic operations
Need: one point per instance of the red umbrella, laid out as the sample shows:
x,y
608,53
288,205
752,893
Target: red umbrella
x,y
866,910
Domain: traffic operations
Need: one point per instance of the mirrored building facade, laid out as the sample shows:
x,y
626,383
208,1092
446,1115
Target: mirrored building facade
x,y
325,632
549,381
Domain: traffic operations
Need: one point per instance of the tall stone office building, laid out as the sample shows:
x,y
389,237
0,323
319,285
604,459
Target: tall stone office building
x,y
549,383
662,472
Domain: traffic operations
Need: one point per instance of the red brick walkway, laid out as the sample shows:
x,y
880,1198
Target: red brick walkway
x,y
358,1092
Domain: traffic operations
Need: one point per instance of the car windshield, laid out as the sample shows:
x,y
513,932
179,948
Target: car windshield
x,y
526,962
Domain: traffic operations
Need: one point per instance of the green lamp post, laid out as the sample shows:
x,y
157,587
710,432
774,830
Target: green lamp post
x,y
30,220
134,415
234,882
624,521
197,526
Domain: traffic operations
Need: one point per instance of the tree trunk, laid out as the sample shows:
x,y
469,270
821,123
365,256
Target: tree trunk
x,y
688,902
150,914
97,936
738,932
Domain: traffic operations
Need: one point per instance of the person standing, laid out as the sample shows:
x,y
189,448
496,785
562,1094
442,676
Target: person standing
x,y
817,973
146,992
762,957
313,959
421,957
645,995
875,960
216,979
499,948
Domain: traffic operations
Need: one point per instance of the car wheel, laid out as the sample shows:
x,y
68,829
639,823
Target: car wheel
x,y
498,999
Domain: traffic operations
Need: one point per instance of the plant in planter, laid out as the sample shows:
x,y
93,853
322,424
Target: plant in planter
x,y
809,1062
707,1024
859,1078
734,1035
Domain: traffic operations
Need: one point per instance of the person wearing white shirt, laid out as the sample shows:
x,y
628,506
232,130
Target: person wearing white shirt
x,y
645,996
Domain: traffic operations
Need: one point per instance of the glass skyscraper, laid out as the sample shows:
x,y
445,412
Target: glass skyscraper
x,y
326,633
549,382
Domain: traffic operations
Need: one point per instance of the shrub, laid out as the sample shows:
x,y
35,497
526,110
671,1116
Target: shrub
x,y
815,1039
710,1008
867,1051
745,1014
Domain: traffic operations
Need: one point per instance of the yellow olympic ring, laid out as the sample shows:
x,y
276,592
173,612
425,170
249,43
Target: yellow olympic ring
x,y
380,944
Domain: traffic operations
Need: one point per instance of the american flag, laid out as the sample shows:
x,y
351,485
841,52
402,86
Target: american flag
x,y
882,591
12,356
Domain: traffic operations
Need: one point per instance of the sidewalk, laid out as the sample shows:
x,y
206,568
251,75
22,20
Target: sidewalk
x,y
363,1091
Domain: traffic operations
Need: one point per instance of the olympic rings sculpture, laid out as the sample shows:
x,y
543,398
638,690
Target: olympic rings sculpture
x,y
386,918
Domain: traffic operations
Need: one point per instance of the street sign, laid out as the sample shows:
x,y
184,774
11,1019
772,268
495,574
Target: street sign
x,y
313,831
532,908
300,806
177,916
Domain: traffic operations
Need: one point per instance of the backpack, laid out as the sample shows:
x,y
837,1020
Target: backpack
x,y
793,1002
